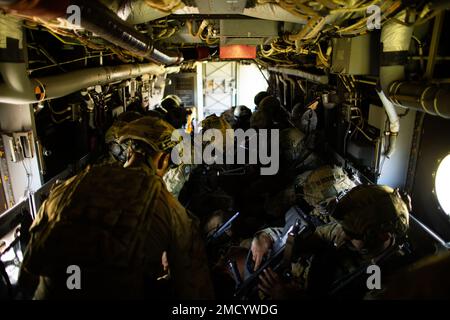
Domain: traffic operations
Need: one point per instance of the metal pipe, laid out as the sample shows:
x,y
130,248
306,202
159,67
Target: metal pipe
x,y
19,89
434,45
430,98
396,38
372,83
440,5
165,59
292,90
430,232
442,80
394,123
321,79
68,62
438,58
280,77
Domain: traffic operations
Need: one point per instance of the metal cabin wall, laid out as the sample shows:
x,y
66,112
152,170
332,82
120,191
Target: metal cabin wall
x,y
22,175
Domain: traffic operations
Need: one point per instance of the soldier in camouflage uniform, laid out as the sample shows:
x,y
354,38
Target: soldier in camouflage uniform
x,y
259,97
371,223
115,223
172,110
242,115
428,278
228,116
204,193
174,178
262,118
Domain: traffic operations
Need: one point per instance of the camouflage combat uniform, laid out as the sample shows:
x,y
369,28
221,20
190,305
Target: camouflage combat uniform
x,y
327,256
176,178
205,191
115,223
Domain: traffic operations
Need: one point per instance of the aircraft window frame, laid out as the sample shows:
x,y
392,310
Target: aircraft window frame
x,y
442,184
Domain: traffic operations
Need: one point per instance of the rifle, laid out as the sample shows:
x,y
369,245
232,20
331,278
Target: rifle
x,y
221,230
279,257
239,171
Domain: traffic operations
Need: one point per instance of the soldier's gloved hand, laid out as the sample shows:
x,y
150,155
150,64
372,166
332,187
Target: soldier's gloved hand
x,y
261,245
272,285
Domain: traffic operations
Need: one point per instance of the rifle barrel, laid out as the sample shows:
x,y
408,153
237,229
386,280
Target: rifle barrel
x,y
224,227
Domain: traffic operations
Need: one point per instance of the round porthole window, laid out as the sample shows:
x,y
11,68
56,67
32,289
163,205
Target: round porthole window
x,y
442,184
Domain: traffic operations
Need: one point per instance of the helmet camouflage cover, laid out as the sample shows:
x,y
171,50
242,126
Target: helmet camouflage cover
x,y
228,116
154,132
326,184
291,146
112,134
372,209
217,123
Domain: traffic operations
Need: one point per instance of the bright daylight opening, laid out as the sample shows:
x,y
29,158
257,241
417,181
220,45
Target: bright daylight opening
x,y
442,184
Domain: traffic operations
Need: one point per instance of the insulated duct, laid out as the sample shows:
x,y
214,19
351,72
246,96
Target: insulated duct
x,y
19,89
396,39
430,98
98,19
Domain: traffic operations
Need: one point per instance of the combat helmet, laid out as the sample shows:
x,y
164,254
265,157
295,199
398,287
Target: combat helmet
x,y
259,97
112,134
155,133
173,111
291,147
171,101
242,112
217,123
241,117
228,116
325,184
266,114
369,210
260,120
269,105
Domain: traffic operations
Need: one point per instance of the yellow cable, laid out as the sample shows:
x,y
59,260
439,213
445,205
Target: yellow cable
x,y
305,29
354,9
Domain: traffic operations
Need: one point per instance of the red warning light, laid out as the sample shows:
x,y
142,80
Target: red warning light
x,y
238,51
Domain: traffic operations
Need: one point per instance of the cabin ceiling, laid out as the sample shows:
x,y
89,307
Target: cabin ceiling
x,y
284,32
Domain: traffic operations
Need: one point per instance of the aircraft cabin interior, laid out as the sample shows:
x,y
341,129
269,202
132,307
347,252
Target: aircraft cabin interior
x,y
347,100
